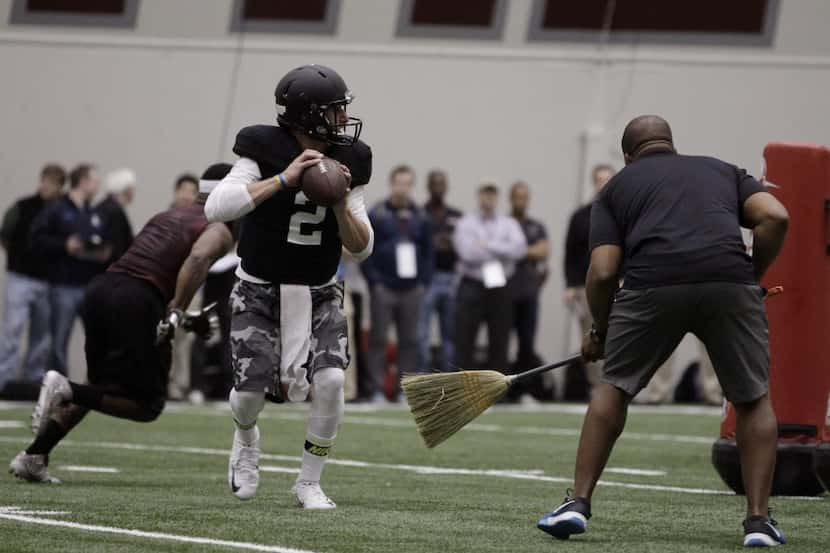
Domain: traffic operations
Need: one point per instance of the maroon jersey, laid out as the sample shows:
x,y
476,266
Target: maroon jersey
x,y
159,250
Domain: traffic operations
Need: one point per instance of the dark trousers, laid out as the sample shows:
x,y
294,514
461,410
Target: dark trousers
x,y
210,367
365,384
475,305
525,321
401,308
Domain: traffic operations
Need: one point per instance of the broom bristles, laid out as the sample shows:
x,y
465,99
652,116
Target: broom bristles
x,y
443,403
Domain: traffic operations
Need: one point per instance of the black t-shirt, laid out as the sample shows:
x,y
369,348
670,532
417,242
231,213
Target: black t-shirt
x,y
444,219
117,228
529,275
20,257
677,219
577,247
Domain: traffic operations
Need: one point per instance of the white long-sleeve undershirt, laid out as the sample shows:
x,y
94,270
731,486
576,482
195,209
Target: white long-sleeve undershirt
x,y
231,200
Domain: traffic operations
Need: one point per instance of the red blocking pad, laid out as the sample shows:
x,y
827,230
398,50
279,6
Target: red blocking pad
x,y
799,319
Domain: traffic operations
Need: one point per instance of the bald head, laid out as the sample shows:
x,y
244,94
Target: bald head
x,y
646,133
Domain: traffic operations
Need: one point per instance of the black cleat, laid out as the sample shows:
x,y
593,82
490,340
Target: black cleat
x,y
571,517
762,531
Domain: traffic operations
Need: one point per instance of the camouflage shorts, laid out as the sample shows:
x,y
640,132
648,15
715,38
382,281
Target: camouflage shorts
x,y
255,335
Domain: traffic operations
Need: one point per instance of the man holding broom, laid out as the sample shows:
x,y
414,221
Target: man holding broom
x,y
673,222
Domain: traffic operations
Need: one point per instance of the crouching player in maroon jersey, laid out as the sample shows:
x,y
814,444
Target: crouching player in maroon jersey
x,y
129,315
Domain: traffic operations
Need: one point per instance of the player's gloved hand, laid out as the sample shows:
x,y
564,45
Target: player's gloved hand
x,y
205,324
168,325
301,163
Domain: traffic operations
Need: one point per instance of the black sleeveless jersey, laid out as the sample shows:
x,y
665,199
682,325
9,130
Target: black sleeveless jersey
x,y
287,239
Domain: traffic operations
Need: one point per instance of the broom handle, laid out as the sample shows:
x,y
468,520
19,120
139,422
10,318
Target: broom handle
x,y
545,368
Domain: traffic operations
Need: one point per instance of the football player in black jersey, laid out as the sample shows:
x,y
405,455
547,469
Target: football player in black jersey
x,y
288,332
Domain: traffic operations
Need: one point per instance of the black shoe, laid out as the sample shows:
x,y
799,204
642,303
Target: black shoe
x,y
571,517
762,531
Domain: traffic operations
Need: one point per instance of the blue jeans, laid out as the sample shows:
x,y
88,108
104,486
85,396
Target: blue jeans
x,y
440,298
27,301
65,301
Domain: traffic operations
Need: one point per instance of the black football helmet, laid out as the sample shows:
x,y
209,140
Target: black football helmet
x,y
308,100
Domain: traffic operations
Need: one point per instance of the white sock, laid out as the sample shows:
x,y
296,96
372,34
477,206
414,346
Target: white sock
x,y
248,436
246,407
327,404
312,467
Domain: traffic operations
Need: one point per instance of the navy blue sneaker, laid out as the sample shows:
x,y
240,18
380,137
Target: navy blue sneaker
x,y
571,517
762,532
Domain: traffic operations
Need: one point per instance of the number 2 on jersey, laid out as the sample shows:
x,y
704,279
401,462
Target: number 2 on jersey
x,y
300,218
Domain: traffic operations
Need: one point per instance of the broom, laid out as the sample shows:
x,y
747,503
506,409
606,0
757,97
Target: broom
x,y
443,403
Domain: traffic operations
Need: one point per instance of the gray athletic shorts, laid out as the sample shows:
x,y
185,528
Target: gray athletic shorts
x,y
646,326
255,334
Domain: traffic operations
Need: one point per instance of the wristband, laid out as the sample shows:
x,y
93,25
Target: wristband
x,y
175,317
283,182
597,337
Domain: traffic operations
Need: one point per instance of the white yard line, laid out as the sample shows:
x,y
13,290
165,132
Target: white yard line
x,y
151,535
635,472
272,468
417,469
297,415
83,468
561,408
11,424
11,509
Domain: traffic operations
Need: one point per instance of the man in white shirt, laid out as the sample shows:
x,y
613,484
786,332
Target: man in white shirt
x,y
289,336
488,245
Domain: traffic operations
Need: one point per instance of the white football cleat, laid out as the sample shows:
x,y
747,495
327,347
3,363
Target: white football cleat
x,y
31,468
54,391
309,495
243,468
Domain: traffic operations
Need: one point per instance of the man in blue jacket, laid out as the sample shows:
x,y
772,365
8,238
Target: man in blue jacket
x,y
71,237
398,272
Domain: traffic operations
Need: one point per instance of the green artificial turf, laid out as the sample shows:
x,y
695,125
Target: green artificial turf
x,y
386,509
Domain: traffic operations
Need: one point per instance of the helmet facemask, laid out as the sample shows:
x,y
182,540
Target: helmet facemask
x,y
326,122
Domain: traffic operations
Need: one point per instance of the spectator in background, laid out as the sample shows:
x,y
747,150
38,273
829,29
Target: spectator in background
x,y
186,190
488,245
358,292
120,187
577,259
440,296
70,236
398,272
526,282
27,290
